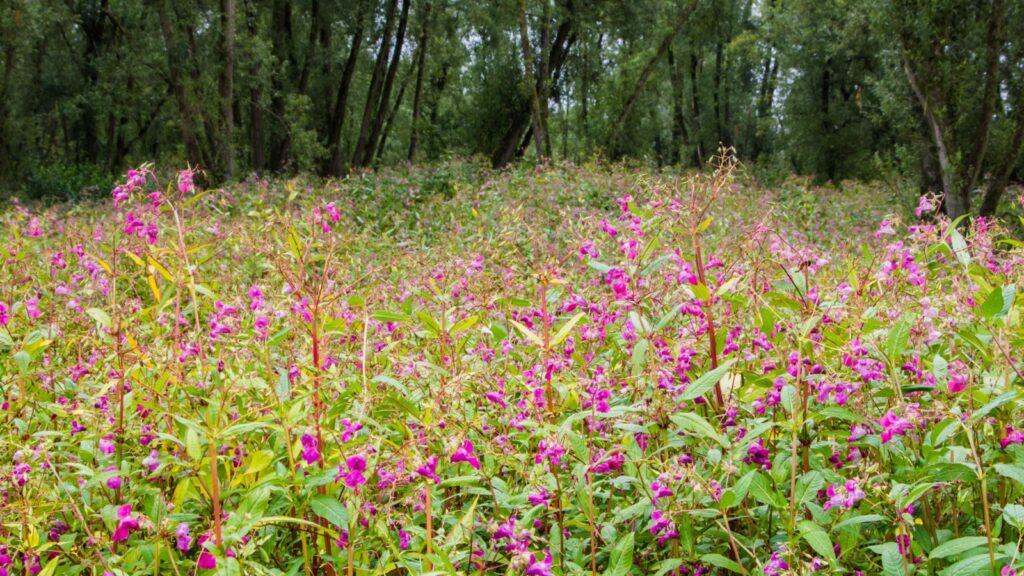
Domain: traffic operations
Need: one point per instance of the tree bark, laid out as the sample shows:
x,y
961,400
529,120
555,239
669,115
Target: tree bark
x,y
373,92
680,139
257,135
532,82
955,204
976,156
227,86
389,82
997,184
521,118
417,99
337,121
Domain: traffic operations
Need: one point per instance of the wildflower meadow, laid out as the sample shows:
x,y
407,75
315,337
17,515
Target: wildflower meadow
x,y
540,371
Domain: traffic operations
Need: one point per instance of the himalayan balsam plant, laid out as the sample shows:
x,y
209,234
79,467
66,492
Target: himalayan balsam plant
x,y
544,373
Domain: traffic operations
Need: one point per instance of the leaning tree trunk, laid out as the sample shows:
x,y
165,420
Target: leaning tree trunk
x,y
997,184
417,99
373,92
976,156
531,80
389,82
956,204
337,121
645,75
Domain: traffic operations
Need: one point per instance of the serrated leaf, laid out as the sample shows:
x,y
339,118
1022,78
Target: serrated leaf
x,y
529,334
818,539
621,558
329,508
957,547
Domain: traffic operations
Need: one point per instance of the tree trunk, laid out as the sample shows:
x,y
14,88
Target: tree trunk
x,y
976,157
373,92
417,99
227,86
645,75
521,118
257,135
337,121
185,116
391,118
956,205
695,62
997,184
680,139
389,82
532,82
281,40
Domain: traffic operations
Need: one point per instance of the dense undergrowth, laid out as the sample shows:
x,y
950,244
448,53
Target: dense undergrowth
x,y
570,370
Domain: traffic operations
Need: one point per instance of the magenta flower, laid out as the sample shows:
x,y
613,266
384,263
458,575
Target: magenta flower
x,y
403,539
5,314
465,454
20,473
32,307
310,453
429,470
351,429
206,560
659,491
539,567
354,477
549,450
183,536
1013,436
843,496
152,462
342,540
758,455
114,482
893,425
126,523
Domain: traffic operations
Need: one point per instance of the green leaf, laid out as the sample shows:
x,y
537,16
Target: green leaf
x,y
862,519
329,508
959,245
696,424
818,539
957,546
702,385
721,562
529,334
639,358
621,559
762,491
992,305
974,566
192,446
385,316
896,343
1015,473
464,324
1013,514
566,329
99,316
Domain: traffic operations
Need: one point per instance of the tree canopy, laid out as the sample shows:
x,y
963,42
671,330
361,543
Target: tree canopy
x,y
837,89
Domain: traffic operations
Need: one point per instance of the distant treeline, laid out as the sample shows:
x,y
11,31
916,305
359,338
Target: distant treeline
x,y
933,89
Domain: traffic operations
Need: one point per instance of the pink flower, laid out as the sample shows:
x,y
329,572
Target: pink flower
x,y
183,536
114,482
429,470
354,477
539,567
32,307
1013,436
126,523
5,314
844,496
465,454
310,453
